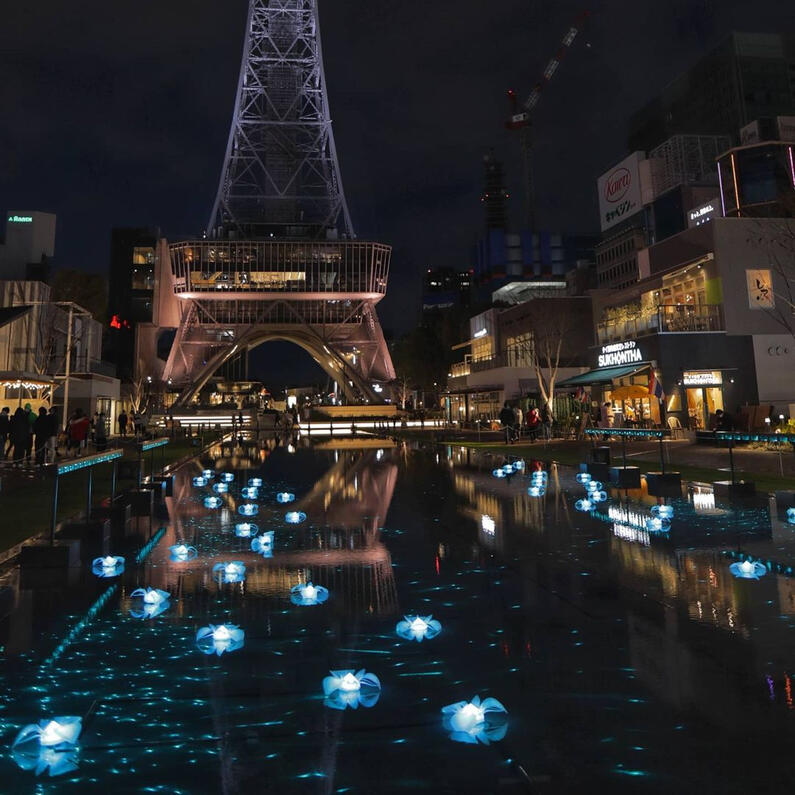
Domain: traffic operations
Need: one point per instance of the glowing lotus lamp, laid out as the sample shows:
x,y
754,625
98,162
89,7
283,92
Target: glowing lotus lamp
x,y
583,505
109,566
418,628
249,493
791,515
263,544
227,477
748,570
662,511
508,469
255,482
518,465
594,485
498,473
246,530
181,552
285,496
153,602
248,509
475,721
294,517
536,491
597,496
233,571
540,474
348,689
220,488
657,525
212,502
583,478
208,473
217,639
307,594
200,481
48,745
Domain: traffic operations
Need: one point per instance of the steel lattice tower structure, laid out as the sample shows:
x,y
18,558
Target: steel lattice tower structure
x,y
278,259
280,172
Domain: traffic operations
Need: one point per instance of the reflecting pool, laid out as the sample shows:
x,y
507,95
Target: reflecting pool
x,y
573,650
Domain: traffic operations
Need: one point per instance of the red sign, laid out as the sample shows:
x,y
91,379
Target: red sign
x,y
617,185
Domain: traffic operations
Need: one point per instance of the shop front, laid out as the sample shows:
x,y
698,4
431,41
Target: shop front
x,y
703,392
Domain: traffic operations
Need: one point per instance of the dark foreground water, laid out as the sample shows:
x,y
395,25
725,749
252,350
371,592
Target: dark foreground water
x,y
627,661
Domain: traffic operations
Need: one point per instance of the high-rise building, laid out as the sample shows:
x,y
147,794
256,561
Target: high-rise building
x,y
443,288
747,77
28,246
495,197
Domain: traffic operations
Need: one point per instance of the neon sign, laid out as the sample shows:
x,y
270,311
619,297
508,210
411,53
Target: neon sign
x,y
619,353
20,219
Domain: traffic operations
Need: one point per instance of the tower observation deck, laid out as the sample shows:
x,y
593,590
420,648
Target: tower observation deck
x,y
279,258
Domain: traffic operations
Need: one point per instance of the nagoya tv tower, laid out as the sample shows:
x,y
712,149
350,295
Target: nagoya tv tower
x,y
279,259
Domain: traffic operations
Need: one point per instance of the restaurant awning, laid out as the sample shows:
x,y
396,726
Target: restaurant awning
x,y
603,375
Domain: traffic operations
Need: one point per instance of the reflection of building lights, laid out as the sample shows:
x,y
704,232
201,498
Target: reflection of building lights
x,y
704,501
633,534
488,525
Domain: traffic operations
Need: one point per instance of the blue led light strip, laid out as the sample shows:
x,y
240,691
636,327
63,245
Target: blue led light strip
x,y
152,443
755,437
653,434
88,461
150,545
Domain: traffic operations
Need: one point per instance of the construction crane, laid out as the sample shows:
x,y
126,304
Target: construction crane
x,y
520,116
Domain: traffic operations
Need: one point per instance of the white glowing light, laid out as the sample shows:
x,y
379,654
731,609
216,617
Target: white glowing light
x,y
181,552
285,496
109,566
536,491
233,571
488,525
518,465
540,474
212,502
221,638
153,602
662,511
583,478
475,721
200,481
418,628
227,477
308,594
508,469
255,482
348,689
583,505
597,496
294,517
49,745
263,544
220,488
594,485
498,473
208,473
748,570
246,530
248,509
791,515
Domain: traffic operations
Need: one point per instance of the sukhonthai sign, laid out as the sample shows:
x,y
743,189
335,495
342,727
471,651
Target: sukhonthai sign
x,y
619,353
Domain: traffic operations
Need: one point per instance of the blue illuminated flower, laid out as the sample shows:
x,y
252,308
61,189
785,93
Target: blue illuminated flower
x,y
208,473
508,469
285,496
662,511
748,570
212,502
182,552
294,517
583,477
227,477
220,488
153,602
791,515
418,628
473,721
306,594
217,639
248,509
263,544
48,745
246,530
597,496
249,492
256,482
200,481
233,571
518,465
348,689
583,505
498,473
109,566
655,524
537,491
593,485
540,474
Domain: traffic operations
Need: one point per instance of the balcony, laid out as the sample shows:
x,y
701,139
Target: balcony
x,y
678,318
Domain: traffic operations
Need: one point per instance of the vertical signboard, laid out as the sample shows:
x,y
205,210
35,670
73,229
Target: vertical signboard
x,y
620,191
760,289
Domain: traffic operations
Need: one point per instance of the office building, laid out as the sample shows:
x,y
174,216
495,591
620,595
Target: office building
x,y
28,246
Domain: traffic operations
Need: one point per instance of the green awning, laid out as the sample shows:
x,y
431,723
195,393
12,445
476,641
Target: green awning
x,y
604,375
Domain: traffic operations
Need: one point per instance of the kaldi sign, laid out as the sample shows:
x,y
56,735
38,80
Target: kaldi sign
x,y
619,191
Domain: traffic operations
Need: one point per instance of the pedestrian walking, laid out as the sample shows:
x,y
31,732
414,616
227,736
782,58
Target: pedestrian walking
x,y
78,432
533,424
41,433
31,417
122,422
5,430
20,433
508,422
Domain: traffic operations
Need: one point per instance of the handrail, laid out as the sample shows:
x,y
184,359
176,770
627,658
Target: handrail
x,y
736,436
650,433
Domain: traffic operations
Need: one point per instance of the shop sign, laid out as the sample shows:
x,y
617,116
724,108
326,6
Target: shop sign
x,y
760,289
620,353
20,219
702,214
619,191
702,378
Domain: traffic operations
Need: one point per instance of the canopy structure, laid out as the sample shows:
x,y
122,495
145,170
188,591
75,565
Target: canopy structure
x,y
603,375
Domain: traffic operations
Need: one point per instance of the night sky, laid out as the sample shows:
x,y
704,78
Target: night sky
x,y
117,113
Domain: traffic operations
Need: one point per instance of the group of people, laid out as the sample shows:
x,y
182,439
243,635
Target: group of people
x,y
27,435
132,423
516,423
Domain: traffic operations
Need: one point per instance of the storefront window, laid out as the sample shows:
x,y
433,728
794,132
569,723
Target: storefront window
x,y
702,403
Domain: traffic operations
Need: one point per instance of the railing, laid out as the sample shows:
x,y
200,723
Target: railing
x,y
460,369
665,320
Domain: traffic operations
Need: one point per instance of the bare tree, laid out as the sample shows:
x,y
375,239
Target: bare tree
x,y
139,392
402,391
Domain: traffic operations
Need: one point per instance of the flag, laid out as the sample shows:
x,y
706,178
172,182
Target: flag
x,y
655,387
581,395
